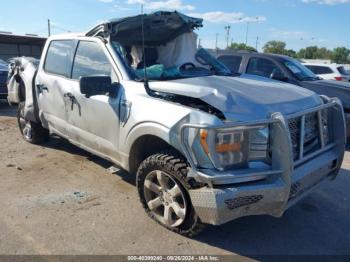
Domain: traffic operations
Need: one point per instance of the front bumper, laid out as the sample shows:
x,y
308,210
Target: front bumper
x,y
269,190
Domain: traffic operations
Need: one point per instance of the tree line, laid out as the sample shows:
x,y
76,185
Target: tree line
x,y
339,55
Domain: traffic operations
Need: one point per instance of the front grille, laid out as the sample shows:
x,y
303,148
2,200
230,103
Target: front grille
x,y
308,133
294,190
243,201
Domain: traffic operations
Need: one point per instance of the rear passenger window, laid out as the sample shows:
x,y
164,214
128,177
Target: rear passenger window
x,y
342,70
320,70
232,62
90,60
262,67
59,57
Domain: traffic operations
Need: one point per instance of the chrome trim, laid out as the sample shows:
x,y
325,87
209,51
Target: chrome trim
x,y
313,154
235,178
320,128
244,125
332,102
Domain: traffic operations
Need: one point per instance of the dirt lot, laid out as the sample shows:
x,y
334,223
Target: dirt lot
x,y
58,199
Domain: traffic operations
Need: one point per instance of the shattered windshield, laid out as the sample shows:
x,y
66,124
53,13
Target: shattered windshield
x,y
172,61
301,72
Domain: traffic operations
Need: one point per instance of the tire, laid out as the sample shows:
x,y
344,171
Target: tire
x,y
163,187
32,132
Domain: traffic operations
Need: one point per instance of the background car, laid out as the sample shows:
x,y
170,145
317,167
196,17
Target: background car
x,y
3,79
329,71
286,69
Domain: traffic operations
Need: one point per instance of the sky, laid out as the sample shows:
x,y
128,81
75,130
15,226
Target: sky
x,y
299,23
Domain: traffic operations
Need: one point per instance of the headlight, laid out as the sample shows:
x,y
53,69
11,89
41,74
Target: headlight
x,y
234,148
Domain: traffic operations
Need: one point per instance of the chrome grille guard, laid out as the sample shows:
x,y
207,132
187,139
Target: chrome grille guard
x,y
276,118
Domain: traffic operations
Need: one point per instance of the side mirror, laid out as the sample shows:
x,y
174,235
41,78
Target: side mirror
x,y
278,76
95,85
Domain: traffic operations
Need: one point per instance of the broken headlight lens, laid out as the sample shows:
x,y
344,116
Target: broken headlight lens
x,y
236,147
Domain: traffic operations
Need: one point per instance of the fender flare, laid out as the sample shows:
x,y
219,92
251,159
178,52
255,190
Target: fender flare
x,y
144,129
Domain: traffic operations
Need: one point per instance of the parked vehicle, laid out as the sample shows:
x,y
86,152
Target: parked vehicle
x,y
3,79
329,71
288,70
206,147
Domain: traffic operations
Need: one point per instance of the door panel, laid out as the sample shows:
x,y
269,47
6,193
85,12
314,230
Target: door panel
x,y
52,103
93,121
52,82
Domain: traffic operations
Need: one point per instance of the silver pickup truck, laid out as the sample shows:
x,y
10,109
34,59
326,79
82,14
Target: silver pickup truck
x,y
207,147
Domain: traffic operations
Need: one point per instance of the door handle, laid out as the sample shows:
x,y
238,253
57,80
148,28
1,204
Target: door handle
x,y
42,88
72,99
69,95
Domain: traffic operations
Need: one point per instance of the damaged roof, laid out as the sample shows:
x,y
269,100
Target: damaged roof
x,y
159,28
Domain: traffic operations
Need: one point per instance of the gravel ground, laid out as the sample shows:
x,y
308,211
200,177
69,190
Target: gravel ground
x,y
58,199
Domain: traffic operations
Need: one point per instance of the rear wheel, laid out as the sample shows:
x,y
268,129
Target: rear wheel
x,y
163,190
32,132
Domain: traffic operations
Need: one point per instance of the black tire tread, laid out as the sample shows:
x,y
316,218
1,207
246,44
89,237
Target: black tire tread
x,y
177,164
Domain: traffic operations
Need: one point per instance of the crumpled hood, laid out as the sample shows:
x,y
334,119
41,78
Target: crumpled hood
x,y
242,98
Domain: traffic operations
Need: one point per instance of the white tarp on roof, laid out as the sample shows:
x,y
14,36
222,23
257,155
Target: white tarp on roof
x,y
179,51
175,53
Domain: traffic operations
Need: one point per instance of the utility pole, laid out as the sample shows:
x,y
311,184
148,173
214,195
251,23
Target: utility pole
x,y
257,43
302,39
199,43
246,34
216,41
49,27
227,28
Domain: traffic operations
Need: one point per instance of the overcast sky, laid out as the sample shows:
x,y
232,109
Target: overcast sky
x,y
297,22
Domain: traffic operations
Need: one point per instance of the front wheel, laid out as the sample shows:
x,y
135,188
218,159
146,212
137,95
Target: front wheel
x,y
32,132
163,190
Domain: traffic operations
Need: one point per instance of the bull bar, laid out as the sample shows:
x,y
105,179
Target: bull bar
x,y
271,190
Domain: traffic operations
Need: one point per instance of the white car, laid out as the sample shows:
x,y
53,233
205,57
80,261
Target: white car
x,y
330,71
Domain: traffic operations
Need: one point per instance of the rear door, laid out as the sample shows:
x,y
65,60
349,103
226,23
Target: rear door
x,y
233,62
53,82
262,67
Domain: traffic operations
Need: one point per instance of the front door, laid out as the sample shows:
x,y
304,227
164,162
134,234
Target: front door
x,y
94,121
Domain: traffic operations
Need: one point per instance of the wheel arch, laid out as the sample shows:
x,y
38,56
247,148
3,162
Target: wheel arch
x,y
145,146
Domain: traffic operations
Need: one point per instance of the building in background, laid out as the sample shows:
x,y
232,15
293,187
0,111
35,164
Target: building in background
x,y
20,45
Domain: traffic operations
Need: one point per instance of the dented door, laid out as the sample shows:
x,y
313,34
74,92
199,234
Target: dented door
x,y
93,121
53,82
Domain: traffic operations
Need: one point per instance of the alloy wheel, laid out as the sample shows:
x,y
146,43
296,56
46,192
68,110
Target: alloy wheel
x,y
165,198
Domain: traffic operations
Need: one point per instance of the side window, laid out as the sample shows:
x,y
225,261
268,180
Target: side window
x,y
320,70
262,67
59,57
90,60
232,62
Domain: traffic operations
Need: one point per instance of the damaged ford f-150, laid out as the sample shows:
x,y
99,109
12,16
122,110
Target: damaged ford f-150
x,y
206,147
